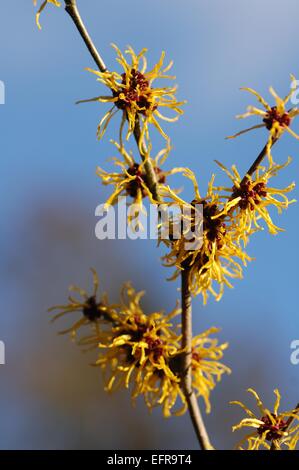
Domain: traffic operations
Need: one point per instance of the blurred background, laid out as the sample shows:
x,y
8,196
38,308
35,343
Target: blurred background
x,y
50,398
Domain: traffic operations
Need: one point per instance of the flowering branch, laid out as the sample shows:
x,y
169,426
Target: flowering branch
x,y
187,326
195,414
72,9
144,347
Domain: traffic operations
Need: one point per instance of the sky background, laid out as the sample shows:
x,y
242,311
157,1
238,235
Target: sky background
x,y
49,396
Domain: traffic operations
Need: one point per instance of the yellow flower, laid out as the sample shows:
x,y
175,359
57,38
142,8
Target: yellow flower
x,y
163,390
140,352
276,119
95,312
272,429
133,93
143,352
206,371
166,389
206,368
131,181
41,8
218,255
250,198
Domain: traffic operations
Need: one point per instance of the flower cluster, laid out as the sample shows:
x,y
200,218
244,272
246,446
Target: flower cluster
x,y
276,119
229,216
93,311
131,181
216,257
249,200
272,429
131,178
42,7
142,352
133,93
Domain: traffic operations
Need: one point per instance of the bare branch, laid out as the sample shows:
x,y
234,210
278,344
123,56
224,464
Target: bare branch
x,y
72,10
193,407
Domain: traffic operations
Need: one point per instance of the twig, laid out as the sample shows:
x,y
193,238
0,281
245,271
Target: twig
x,y
72,9
149,169
193,407
262,155
260,158
254,166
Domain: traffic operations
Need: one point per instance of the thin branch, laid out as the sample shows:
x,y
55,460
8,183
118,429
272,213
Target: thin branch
x,y
260,158
193,407
72,9
149,169
255,165
262,155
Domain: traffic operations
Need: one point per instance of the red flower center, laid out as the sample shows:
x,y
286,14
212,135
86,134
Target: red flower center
x,y
155,346
274,430
250,194
283,119
214,228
